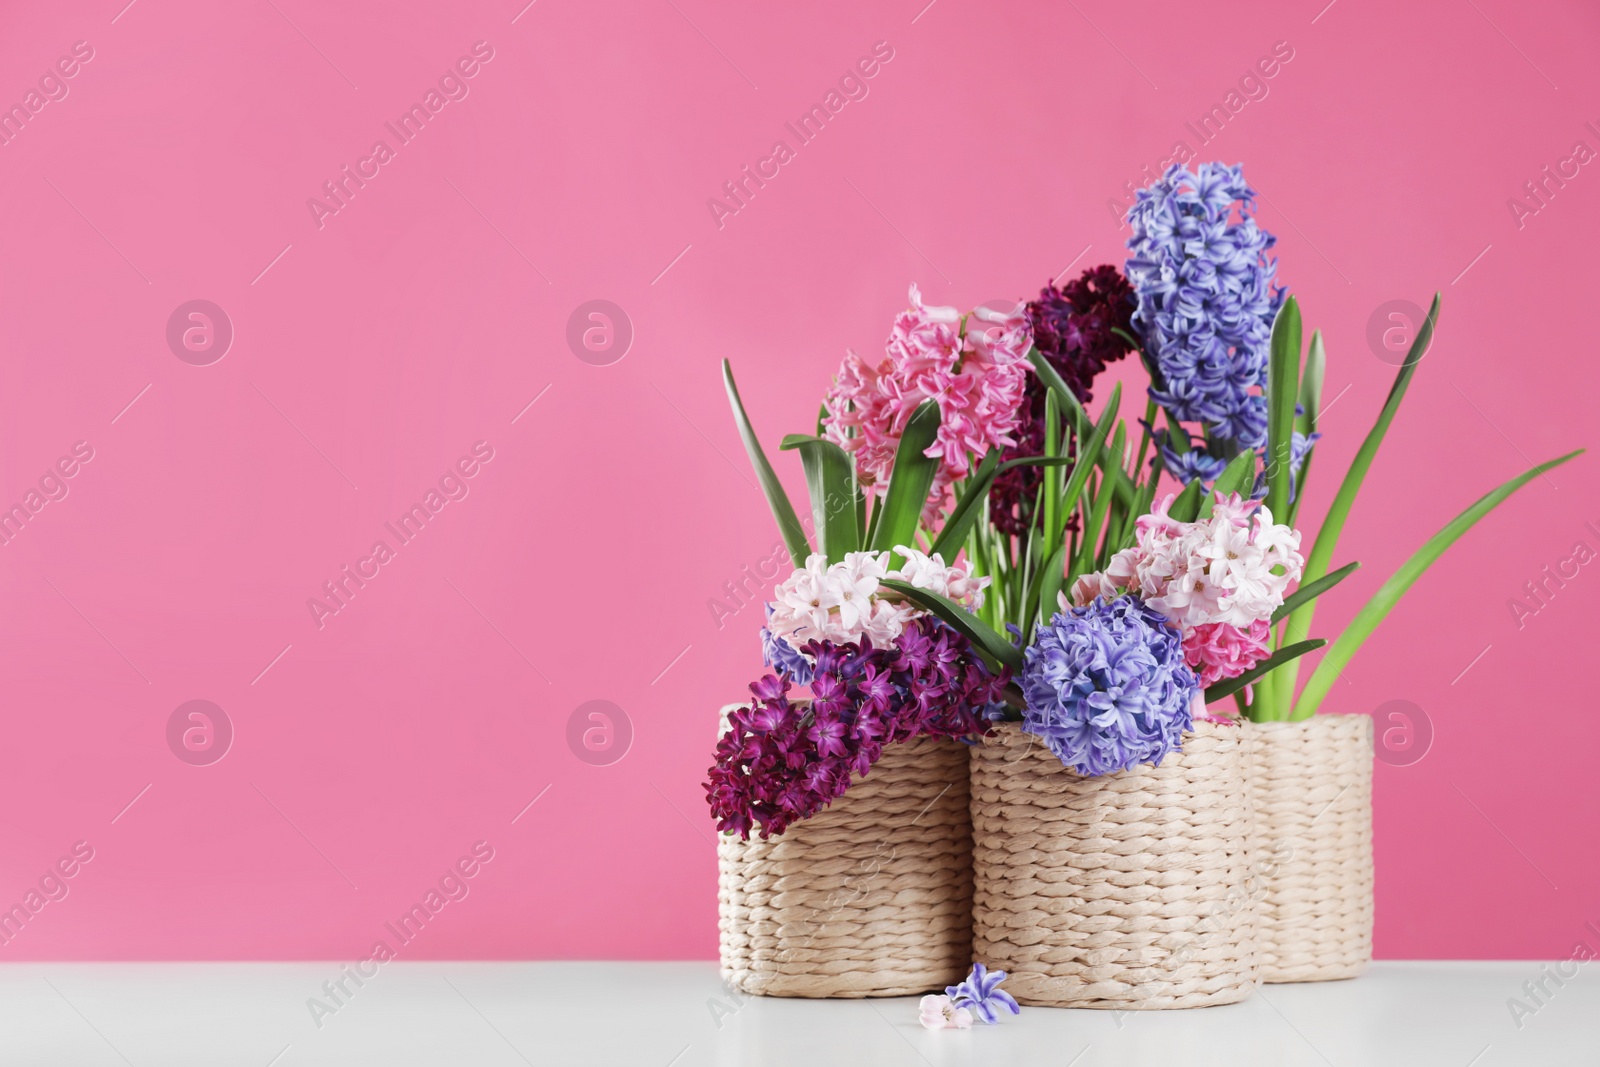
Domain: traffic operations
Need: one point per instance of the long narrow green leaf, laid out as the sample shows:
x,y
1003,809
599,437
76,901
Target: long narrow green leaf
x,y
830,475
1052,480
1089,453
1306,422
910,482
1037,461
1141,506
1300,488
1100,510
986,640
1339,511
1238,477
861,506
1145,426
1311,591
1283,389
974,498
1081,424
1390,592
1311,385
794,535
1177,436
1096,510
1051,581
1277,659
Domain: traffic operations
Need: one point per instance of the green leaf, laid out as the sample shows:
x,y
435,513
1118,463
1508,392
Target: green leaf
x,y
1311,590
1141,506
1186,506
986,640
1339,511
1283,389
910,482
1177,436
1081,425
1230,686
1051,582
1052,482
1306,422
1390,592
861,506
788,523
974,498
1300,487
1114,513
1311,385
1238,477
1132,341
1096,510
1089,454
830,475
1037,461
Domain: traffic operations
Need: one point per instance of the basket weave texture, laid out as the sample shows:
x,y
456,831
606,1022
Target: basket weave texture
x,y
871,897
1125,891
1312,785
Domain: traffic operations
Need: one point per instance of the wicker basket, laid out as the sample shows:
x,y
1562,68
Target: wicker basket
x,y
869,898
1312,784
1126,891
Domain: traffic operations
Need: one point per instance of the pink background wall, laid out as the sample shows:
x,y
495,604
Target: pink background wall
x,y
371,753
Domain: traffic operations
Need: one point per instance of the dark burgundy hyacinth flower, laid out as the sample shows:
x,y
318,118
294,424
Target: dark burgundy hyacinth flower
x,y
1072,327
782,761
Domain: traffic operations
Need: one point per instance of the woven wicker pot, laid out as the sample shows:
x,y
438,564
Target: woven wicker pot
x,y
872,897
1125,891
1312,785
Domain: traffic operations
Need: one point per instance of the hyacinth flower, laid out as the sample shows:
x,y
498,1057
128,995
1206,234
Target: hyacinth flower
x,y
940,1013
844,601
980,993
1080,329
973,368
1107,687
1206,299
783,657
783,760
1218,580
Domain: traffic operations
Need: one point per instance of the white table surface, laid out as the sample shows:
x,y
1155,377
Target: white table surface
x,y
661,1015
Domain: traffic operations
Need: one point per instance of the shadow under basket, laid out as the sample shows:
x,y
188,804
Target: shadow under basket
x,y
871,897
1126,891
1312,786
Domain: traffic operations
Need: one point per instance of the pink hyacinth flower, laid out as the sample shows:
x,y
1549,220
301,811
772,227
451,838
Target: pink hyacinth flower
x,y
938,1013
974,372
1218,650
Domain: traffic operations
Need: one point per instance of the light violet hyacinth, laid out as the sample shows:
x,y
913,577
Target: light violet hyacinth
x,y
1218,580
841,603
975,371
939,1013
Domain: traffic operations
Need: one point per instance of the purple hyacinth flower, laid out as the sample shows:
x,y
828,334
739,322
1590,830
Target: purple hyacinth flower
x,y
784,657
982,995
1107,687
1206,297
782,761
